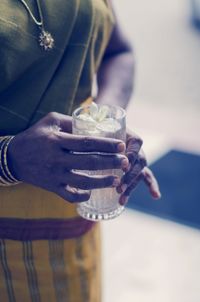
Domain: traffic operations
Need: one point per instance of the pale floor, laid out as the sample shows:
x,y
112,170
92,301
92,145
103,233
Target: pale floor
x,y
147,259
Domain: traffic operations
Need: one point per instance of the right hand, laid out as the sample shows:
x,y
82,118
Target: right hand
x,y
43,156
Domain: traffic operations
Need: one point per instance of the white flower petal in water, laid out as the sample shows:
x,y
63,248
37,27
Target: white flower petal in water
x,y
109,125
93,110
85,121
97,121
86,117
103,111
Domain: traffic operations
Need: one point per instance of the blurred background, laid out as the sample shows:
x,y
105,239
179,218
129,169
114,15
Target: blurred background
x,y
152,252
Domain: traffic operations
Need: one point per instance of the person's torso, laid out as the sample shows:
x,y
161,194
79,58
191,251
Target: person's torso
x,y
34,82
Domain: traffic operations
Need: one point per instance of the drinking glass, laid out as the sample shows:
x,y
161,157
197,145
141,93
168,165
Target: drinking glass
x,y
103,203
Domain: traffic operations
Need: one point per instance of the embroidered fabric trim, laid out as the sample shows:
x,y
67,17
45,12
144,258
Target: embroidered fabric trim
x,y
38,229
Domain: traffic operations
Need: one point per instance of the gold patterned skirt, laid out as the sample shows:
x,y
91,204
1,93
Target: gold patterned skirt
x,y
47,252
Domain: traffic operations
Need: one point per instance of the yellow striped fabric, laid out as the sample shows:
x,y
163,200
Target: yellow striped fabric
x,y
51,270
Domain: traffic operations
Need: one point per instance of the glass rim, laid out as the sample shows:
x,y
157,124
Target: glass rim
x,y
122,110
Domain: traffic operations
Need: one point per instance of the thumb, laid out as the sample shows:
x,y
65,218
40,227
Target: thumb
x,y
59,121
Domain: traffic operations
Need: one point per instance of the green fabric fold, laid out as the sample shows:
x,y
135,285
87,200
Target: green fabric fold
x,y
34,82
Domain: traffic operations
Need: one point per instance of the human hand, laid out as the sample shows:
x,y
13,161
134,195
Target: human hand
x,y
136,171
43,156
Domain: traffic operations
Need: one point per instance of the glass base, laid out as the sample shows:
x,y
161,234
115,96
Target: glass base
x,y
91,214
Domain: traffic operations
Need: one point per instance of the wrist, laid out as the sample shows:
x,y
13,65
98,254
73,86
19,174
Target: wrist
x,y
7,176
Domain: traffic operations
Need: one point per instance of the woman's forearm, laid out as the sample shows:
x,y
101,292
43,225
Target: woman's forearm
x,y
116,72
115,79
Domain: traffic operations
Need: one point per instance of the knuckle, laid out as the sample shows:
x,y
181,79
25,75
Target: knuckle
x,y
49,118
52,115
87,143
137,145
142,161
94,163
139,141
135,140
134,147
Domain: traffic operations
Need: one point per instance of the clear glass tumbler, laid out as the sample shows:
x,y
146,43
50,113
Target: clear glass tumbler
x,y
103,203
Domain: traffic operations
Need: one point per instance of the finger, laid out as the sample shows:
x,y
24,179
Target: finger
x,y
123,200
133,184
147,176
133,147
58,121
151,182
81,143
88,182
135,170
73,194
95,161
124,197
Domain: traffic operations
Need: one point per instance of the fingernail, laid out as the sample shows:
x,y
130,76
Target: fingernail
x,y
121,147
124,163
127,168
123,200
116,182
124,187
157,195
155,190
119,190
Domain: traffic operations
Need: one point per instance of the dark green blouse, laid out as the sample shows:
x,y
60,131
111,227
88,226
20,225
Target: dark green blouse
x,y
33,81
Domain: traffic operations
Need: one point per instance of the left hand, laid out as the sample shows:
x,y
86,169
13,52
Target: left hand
x,y
137,171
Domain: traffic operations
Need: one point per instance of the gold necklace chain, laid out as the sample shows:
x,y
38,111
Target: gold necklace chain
x,y
46,40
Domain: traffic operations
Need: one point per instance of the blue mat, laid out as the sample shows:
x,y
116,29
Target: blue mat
x,y
178,174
